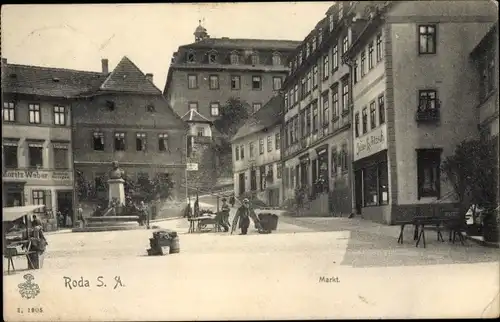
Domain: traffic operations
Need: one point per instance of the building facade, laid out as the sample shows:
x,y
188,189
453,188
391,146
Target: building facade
x,y
37,165
205,74
413,102
127,119
256,155
317,141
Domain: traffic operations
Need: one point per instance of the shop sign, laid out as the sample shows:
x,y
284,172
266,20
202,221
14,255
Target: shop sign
x,y
371,143
38,175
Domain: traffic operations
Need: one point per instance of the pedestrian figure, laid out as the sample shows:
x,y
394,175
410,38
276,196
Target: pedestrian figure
x,y
60,219
232,200
224,215
144,214
243,215
69,222
79,213
36,222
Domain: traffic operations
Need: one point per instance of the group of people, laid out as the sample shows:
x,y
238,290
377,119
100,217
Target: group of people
x,y
242,217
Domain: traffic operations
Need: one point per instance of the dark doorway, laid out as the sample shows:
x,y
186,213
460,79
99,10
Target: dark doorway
x,y
65,205
14,199
358,190
242,183
253,180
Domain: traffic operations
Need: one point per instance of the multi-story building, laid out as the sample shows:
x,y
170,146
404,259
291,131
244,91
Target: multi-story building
x,y
37,165
205,74
125,118
413,102
316,130
256,154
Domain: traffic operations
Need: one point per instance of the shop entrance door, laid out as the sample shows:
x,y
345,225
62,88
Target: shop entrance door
x,y
65,202
358,190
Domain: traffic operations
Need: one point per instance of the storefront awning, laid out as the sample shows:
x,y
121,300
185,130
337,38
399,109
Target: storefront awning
x,y
13,213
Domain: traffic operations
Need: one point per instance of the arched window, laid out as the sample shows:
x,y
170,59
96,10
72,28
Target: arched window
x,y
234,58
276,59
255,59
212,57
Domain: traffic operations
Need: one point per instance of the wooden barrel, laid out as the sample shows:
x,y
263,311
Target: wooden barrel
x,y
174,245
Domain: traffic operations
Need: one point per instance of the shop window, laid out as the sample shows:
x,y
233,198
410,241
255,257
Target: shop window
x,y
119,141
35,154
383,183
370,186
61,158
98,141
428,173
10,155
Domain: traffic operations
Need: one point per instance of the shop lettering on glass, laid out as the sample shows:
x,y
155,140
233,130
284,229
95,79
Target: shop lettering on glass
x,y
369,142
39,175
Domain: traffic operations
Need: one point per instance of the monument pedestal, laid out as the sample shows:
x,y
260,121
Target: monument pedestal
x,y
117,191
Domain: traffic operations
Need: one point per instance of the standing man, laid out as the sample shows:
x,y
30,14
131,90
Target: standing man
x,y
224,215
79,213
243,215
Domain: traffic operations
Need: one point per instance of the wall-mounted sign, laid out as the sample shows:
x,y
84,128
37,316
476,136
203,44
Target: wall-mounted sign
x,y
192,166
370,143
37,175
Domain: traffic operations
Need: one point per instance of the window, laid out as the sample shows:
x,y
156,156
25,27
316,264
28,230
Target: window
x,y
345,44
427,39
427,100
331,22
242,152
34,113
279,170
315,76
314,46
296,94
253,180
276,60
334,161
10,155
307,50
235,82
335,102
302,120
375,185
363,60
309,81
251,149
262,170
364,120
214,82
98,141
370,56
286,102
277,140
356,124
269,143
38,199
277,83
296,127
355,71
261,146
344,158
326,110
428,173
200,131
256,83
234,58
61,157
315,118
383,183
212,58
320,36
291,98
193,106
163,142
373,116
379,47
214,109
335,58
326,67
300,57
100,184
256,106
119,141
191,58
303,88
308,120
192,81
237,153
35,154
140,141
255,59
9,112
345,95
381,110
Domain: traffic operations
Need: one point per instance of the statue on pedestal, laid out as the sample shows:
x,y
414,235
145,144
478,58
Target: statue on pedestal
x,y
116,172
116,186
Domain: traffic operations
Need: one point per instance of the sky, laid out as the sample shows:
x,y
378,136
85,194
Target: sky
x,y
78,36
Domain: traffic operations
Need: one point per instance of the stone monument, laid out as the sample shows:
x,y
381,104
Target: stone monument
x,y
116,185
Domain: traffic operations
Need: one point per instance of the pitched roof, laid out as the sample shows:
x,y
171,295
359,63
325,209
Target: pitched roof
x,y
230,43
268,116
47,81
194,116
127,77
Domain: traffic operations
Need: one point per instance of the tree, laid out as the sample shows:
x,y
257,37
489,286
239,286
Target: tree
x,y
232,115
160,187
473,172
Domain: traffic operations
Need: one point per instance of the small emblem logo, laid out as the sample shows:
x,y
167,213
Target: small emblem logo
x,y
29,289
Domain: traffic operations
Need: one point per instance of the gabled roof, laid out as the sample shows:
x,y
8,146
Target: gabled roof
x,y
127,77
48,81
230,43
194,116
265,118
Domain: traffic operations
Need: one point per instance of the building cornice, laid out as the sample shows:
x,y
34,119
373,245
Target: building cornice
x,y
230,68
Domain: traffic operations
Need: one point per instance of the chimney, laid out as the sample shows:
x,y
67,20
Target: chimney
x,y
104,63
149,77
